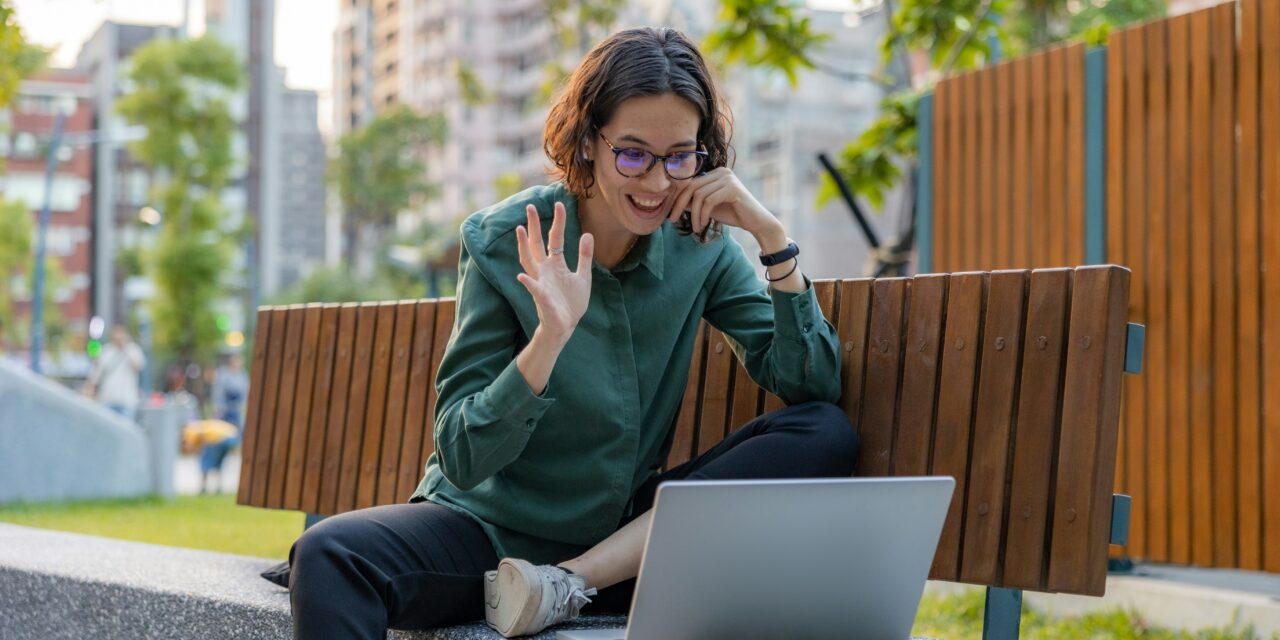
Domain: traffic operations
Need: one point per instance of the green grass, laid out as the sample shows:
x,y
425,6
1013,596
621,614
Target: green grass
x,y
959,617
217,523
213,522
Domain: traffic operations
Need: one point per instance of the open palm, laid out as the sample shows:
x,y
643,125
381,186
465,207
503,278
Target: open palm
x,y
561,295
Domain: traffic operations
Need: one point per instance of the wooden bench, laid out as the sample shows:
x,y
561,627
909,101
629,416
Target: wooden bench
x,y
1008,381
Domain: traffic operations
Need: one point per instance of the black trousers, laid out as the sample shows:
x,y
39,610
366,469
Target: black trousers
x,y
421,565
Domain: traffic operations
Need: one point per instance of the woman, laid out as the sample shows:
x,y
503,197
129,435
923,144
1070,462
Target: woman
x,y
559,389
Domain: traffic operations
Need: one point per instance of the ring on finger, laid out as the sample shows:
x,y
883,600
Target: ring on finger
x,y
555,251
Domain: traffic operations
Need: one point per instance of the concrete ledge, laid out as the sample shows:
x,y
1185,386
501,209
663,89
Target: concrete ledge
x,y
65,585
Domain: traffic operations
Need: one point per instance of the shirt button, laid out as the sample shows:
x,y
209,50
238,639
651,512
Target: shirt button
x,y
529,422
807,327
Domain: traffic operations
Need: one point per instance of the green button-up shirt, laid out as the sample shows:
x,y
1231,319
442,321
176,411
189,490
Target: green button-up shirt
x,y
549,476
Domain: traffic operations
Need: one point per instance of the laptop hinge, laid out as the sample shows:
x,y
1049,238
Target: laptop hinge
x,y
1002,616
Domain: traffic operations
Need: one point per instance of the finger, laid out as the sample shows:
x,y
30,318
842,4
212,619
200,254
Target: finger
x,y
533,286
536,247
555,239
682,201
526,260
586,252
712,200
699,216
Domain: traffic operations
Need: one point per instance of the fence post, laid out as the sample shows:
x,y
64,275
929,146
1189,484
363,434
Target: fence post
x,y
924,185
1095,156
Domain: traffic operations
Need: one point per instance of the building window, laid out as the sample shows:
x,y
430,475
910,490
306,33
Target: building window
x,y
24,145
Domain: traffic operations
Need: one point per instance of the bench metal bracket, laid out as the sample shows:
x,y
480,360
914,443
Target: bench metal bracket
x,y
312,520
1120,505
1002,615
1134,347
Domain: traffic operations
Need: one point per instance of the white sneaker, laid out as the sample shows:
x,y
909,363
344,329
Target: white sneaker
x,y
523,599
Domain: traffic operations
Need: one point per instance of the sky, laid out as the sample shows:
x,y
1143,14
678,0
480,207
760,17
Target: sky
x,y
303,34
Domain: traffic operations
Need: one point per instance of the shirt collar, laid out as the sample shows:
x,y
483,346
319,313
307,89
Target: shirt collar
x,y
648,250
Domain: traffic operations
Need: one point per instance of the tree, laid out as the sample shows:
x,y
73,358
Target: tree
x,y
17,254
18,58
379,172
181,91
951,35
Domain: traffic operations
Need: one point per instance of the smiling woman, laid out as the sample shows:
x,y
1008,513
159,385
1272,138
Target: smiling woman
x,y
560,387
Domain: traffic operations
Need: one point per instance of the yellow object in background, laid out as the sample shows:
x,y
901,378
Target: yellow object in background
x,y
206,432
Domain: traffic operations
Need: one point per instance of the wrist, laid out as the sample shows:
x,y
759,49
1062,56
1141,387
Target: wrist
x,y
551,339
772,240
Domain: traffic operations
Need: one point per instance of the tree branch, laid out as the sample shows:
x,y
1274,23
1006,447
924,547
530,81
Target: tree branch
x,y
964,40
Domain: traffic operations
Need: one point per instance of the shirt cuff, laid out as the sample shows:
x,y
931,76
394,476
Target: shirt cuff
x,y
796,314
512,399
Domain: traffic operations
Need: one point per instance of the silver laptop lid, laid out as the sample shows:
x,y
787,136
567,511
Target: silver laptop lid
x,y
788,559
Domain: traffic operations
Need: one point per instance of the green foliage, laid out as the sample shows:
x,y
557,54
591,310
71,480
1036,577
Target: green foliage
x,y
507,184
379,170
768,33
872,161
954,34
339,284
959,616
469,84
18,58
180,91
1098,18
17,256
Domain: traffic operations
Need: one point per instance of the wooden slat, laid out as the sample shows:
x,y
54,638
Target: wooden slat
x,y
748,398
1036,431
302,424
714,409
955,177
992,428
397,390
1074,235
357,406
772,403
1050,241
1201,295
683,441
375,413
1135,241
941,173
1156,268
322,390
1222,41
1179,337
421,383
335,432
986,223
1021,171
965,295
1249,372
970,257
1003,169
1270,215
1115,241
855,311
253,422
1082,498
1038,203
914,439
446,312
284,406
884,364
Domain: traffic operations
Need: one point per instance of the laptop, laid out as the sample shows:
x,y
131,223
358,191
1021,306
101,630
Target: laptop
x,y
818,559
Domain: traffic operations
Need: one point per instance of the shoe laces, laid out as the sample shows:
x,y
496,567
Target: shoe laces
x,y
569,597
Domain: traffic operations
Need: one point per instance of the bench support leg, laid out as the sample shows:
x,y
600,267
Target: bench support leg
x,y
311,521
1002,616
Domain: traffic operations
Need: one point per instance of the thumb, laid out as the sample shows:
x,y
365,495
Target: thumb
x,y
586,250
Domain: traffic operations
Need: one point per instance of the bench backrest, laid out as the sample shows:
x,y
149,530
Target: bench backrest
x,y
1008,381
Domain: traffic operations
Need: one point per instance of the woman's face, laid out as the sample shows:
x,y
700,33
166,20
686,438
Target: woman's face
x,y
662,125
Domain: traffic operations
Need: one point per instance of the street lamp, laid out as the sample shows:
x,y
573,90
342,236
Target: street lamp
x,y
51,164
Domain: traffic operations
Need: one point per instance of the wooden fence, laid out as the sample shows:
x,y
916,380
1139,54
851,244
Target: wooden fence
x,y
1184,188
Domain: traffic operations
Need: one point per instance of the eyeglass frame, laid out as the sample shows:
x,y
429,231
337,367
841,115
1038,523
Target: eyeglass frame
x,y
703,157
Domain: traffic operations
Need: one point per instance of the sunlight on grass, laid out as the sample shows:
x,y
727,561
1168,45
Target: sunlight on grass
x,y
214,523
959,617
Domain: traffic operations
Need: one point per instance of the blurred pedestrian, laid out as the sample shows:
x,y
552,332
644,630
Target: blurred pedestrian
x,y
114,379
213,439
230,390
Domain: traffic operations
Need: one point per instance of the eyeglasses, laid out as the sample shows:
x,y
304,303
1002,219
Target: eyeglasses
x,y
636,163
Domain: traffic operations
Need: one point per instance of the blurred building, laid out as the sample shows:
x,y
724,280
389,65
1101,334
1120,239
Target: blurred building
x,y
121,186
25,131
408,52
302,188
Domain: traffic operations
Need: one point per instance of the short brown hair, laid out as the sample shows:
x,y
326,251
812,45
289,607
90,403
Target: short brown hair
x,y
629,64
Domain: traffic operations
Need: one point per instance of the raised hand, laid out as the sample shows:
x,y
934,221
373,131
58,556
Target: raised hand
x,y
560,295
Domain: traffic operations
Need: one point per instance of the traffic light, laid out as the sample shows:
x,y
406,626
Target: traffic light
x,y
94,347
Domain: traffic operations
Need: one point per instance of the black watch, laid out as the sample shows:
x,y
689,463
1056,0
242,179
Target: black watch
x,y
782,256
